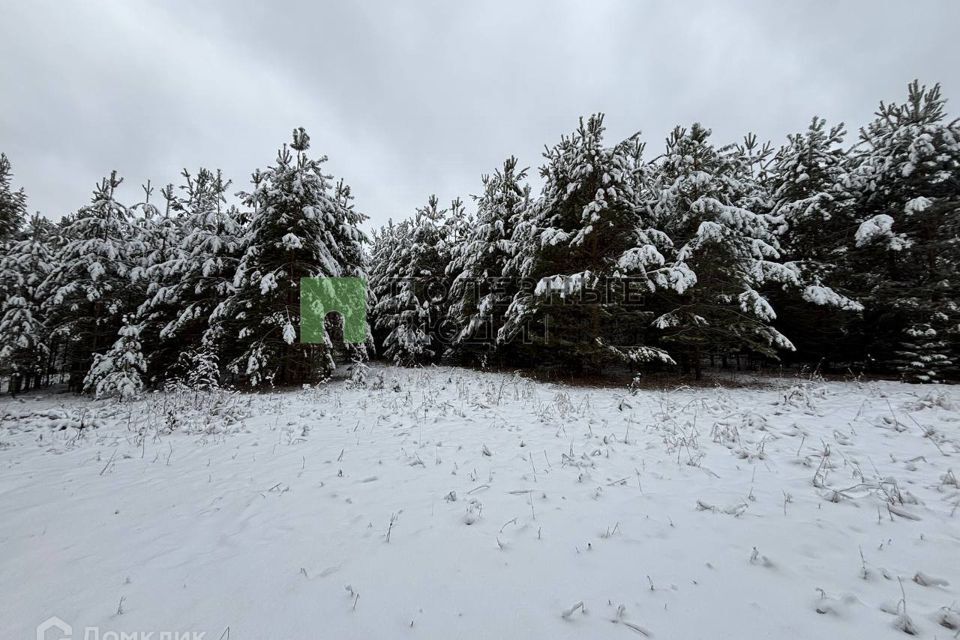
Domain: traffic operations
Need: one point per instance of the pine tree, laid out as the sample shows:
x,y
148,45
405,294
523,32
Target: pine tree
x,y
88,289
160,235
119,372
24,348
814,214
13,204
808,182
619,259
388,242
573,248
187,284
479,291
160,238
727,253
302,225
201,369
924,355
411,288
907,247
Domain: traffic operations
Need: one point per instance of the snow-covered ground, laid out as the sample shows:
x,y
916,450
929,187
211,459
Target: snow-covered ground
x,y
456,504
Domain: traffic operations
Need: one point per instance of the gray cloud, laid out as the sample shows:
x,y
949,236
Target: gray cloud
x,y
413,98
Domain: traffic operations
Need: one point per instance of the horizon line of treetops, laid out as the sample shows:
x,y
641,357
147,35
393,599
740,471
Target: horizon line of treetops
x,y
819,251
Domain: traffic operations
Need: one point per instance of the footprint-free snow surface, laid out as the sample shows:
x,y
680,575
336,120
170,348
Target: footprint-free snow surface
x,y
444,503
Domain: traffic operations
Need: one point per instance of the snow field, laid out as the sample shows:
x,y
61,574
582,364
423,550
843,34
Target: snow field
x,y
444,503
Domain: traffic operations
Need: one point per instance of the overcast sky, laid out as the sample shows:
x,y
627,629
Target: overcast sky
x,y
412,98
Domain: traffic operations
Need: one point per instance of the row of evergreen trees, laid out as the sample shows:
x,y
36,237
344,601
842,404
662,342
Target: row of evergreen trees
x,y
117,297
841,256
660,262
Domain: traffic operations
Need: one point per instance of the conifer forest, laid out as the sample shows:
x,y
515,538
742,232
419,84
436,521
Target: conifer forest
x,y
551,319
827,250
